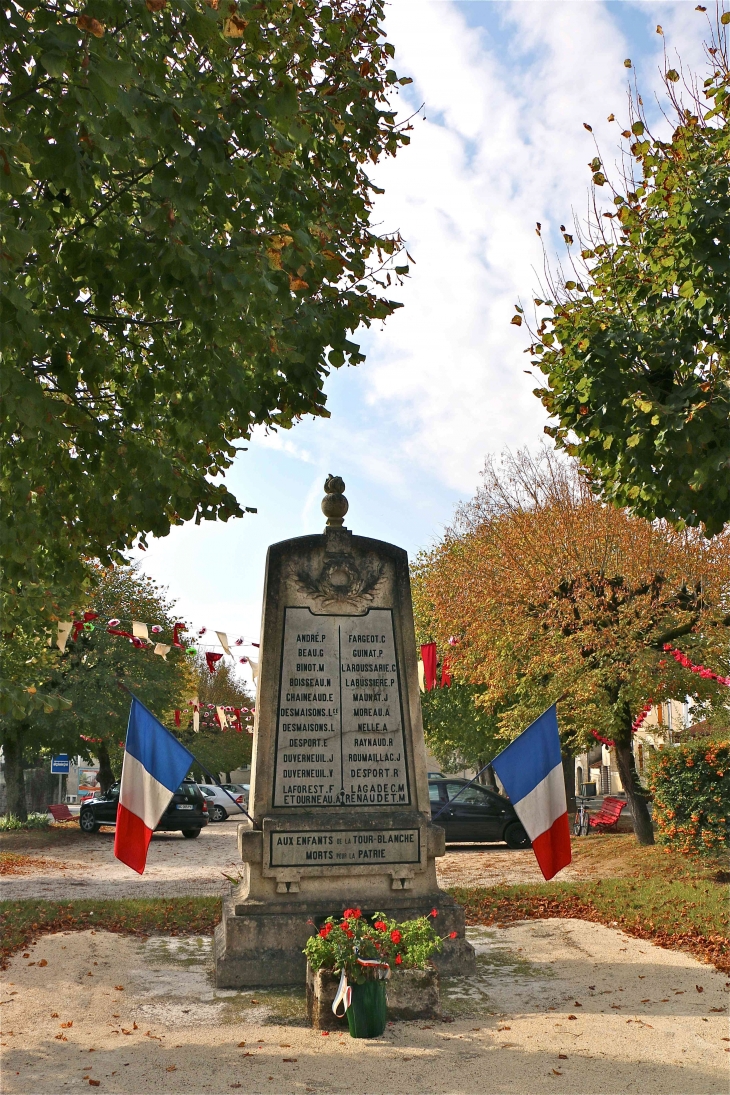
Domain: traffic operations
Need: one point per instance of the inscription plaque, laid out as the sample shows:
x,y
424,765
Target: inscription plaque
x,y
335,847
339,730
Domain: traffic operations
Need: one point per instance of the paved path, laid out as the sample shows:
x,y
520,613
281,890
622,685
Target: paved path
x,y
556,1006
84,866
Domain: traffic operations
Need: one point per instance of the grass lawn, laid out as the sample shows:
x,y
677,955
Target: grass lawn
x,y
653,893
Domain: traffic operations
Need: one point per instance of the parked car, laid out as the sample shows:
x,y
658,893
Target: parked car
x,y
476,815
220,804
187,812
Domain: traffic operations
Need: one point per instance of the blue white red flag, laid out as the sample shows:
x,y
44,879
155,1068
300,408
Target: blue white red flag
x,y
155,763
531,771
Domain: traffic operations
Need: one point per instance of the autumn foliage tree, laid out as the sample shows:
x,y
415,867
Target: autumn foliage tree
x,y
555,596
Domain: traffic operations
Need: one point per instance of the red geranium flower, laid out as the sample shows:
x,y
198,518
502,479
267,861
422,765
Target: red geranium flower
x,y
398,960
434,912
324,932
354,914
348,933
395,935
380,926
453,935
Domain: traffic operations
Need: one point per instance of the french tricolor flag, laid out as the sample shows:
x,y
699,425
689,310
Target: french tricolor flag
x,y
155,764
531,772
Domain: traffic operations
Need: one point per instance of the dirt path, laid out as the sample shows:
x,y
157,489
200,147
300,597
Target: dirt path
x,y
72,864
564,1006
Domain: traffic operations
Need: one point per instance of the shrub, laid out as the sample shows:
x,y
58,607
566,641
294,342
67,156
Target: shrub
x,y
691,788
35,821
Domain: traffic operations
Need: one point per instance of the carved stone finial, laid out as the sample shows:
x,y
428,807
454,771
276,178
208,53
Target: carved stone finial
x,y
334,503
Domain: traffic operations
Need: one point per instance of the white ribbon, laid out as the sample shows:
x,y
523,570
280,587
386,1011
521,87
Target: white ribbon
x,y
344,995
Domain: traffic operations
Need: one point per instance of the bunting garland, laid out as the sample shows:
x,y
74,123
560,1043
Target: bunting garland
x,y
139,637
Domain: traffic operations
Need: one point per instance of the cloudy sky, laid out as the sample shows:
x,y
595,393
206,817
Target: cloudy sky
x,y
499,145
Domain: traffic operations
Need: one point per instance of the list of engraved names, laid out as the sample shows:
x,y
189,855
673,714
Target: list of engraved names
x,y
339,735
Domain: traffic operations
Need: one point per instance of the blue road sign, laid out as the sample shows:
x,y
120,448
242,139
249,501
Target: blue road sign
x,y
59,765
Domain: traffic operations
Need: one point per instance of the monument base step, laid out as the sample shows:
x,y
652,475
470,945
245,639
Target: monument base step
x,y
259,945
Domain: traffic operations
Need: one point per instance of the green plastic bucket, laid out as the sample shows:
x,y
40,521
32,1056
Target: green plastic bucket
x,y
368,1010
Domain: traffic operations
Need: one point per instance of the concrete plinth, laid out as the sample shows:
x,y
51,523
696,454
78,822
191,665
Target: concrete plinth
x,y
259,944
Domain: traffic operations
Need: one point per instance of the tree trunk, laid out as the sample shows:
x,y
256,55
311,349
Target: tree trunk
x,y
569,778
14,776
106,774
490,780
634,793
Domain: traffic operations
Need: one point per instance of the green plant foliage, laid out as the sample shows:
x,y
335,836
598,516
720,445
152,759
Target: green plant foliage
x,y
220,749
342,940
185,250
89,672
10,823
691,789
458,732
636,346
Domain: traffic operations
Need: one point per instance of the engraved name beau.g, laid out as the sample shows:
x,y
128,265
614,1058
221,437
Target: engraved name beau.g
x,y
339,738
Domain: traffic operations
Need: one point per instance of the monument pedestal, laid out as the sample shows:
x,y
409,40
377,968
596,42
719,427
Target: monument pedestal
x,y
269,916
339,792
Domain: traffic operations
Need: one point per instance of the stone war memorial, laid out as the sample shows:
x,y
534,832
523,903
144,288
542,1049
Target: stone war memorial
x,y
339,793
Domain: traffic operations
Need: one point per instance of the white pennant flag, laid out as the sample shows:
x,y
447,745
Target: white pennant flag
x,y
64,630
223,640
196,717
222,718
162,650
140,631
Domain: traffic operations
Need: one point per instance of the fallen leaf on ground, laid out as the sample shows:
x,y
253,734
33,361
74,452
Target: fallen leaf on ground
x,y
119,988
699,988
575,1016
171,1068
94,1083
718,1009
503,1028
556,1073
562,1056
43,962
241,1045
54,1015
70,1023
291,1060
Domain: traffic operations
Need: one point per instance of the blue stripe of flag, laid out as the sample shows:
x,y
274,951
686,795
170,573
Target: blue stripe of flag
x,y
157,750
529,758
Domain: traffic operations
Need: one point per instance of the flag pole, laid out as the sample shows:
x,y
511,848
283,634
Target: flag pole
x,y
217,782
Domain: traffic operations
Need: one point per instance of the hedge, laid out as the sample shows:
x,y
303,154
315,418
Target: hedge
x,y
691,789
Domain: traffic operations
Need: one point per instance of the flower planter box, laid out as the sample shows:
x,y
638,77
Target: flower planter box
x,y
412,994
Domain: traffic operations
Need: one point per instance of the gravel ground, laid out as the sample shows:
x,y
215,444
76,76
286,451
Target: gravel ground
x,y
86,867
556,1005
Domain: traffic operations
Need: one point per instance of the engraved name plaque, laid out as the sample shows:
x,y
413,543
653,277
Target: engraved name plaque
x,y
339,736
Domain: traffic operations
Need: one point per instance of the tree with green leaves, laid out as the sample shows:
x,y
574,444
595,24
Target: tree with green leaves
x,y
635,341
186,250
219,748
99,669
459,733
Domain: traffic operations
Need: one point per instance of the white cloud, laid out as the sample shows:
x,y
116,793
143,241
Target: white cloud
x,y
503,147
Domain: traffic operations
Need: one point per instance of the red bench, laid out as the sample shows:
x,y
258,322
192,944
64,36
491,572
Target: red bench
x,y
60,813
607,817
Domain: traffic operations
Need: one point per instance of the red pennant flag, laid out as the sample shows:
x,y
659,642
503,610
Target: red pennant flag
x,y
445,673
212,658
428,656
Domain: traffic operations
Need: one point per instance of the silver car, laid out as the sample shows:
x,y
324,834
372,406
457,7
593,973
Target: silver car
x,y
220,804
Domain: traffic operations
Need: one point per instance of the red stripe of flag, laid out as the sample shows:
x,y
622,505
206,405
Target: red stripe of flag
x,y
131,839
552,848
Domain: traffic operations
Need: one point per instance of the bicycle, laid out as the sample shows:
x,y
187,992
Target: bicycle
x,y
580,822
